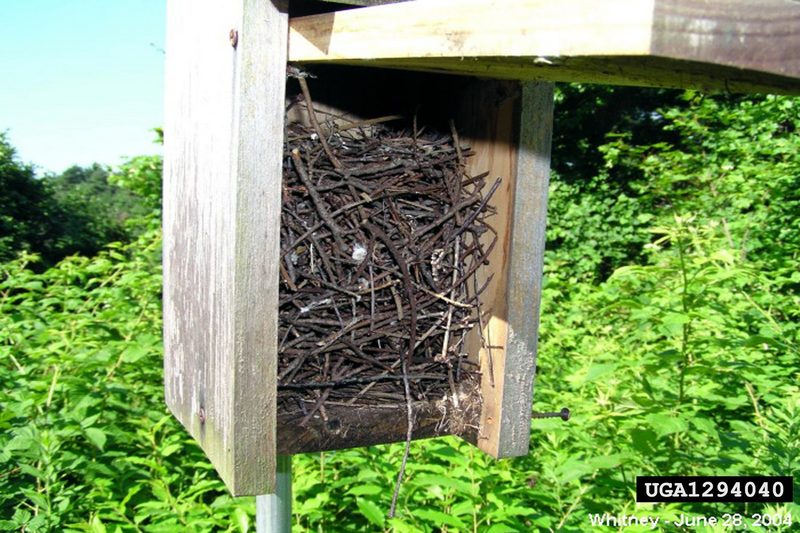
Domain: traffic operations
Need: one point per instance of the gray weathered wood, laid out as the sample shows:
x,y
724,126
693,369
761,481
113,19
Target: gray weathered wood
x,y
525,267
225,83
759,36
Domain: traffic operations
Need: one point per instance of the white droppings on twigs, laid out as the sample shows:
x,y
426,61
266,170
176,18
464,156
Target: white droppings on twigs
x,y
313,305
359,252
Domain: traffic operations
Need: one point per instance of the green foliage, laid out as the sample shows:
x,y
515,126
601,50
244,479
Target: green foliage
x,y
76,212
28,211
670,329
86,442
101,212
141,176
85,439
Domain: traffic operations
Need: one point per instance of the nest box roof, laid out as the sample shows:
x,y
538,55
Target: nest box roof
x,y
732,45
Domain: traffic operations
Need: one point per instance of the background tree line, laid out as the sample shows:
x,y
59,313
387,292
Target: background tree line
x,y
76,212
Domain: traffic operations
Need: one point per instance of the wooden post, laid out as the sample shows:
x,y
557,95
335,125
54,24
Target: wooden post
x,y
225,88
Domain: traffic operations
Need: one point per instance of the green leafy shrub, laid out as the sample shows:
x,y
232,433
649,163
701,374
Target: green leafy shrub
x,y
670,328
86,442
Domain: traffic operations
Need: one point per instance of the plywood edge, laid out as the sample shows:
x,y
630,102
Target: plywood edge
x,y
511,138
526,266
258,146
487,122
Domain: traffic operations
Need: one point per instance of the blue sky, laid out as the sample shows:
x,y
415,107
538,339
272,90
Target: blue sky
x,y
81,80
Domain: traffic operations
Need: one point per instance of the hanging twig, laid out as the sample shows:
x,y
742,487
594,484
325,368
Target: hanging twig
x,y
407,450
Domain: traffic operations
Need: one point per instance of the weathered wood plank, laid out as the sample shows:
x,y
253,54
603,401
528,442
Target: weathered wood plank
x,y
525,266
510,133
761,36
354,426
225,82
734,45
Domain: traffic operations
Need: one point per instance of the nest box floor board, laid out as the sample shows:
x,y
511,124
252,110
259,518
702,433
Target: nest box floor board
x,y
728,45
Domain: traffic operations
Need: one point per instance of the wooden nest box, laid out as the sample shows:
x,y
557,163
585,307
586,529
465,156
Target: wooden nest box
x,y
224,139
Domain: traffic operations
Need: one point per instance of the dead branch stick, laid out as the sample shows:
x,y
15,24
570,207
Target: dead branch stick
x,y
312,116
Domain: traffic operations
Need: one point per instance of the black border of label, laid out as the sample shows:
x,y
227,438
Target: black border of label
x,y
786,481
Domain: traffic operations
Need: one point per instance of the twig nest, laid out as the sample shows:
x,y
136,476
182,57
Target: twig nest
x,y
382,239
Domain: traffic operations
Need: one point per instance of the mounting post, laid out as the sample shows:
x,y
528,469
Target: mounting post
x,y
274,511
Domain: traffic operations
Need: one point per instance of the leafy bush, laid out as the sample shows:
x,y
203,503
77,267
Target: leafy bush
x,y
85,438
670,328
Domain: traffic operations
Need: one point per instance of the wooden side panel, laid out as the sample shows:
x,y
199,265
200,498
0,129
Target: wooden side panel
x,y
511,136
489,119
525,264
225,83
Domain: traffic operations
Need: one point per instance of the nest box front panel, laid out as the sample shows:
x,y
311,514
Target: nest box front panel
x,y
225,83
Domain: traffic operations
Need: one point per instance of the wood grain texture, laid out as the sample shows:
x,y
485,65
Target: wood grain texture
x,y
223,146
488,120
525,265
510,133
474,28
762,35
731,45
355,426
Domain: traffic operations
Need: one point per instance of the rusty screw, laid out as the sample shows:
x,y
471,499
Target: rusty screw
x,y
563,414
234,37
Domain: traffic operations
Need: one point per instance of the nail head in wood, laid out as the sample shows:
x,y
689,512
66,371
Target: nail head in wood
x,y
563,414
